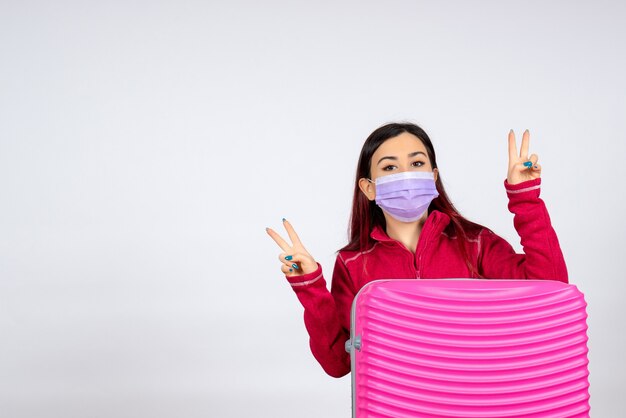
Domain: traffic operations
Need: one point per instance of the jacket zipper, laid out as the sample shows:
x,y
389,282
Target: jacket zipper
x,y
412,261
420,251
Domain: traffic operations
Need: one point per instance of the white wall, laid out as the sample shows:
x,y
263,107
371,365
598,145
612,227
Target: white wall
x,y
145,146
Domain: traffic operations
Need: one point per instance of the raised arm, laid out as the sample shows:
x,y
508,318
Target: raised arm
x,y
542,257
325,312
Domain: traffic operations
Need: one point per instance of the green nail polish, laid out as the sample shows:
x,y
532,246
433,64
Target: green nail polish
x,y
289,257
528,164
290,269
295,266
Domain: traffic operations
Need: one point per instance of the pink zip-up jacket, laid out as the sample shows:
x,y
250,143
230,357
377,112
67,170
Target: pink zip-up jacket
x,y
437,256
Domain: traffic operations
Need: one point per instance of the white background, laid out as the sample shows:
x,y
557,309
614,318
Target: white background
x,y
145,146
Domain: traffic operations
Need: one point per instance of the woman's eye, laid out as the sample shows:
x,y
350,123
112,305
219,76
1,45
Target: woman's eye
x,y
418,163
389,167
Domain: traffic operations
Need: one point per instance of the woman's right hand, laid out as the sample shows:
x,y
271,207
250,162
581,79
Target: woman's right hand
x,y
295,259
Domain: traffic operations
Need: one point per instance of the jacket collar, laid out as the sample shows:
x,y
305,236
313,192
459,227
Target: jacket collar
x,y
435,224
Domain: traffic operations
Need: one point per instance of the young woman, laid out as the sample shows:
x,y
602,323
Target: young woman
x,y
404,226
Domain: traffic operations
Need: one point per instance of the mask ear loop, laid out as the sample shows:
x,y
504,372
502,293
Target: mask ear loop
x,y
373,182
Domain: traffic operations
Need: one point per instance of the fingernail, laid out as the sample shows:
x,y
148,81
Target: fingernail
x,y
284,219
289,257
290,269
511,131
528,164
295,266
535,166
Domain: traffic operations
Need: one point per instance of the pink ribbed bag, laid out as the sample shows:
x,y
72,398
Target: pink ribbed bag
x,y
469,348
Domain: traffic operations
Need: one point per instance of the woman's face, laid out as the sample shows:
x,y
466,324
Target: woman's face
x,y
404,152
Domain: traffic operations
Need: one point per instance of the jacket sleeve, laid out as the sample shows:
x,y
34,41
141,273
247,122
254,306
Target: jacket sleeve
x,y
542,257
327,316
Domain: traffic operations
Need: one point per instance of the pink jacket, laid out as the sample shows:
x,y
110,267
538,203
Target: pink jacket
x,y
327,314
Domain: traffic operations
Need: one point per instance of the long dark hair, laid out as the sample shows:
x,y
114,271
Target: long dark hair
x,y
366,214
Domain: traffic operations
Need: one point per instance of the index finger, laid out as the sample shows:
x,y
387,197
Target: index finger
x,y
525,140
278,240
292,233
512,147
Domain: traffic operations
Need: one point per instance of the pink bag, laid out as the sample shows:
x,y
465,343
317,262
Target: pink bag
x,y
469,348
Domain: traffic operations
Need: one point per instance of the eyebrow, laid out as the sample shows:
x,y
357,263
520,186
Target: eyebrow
x,y
413,154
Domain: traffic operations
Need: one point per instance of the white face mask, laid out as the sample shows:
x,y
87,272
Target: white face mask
x,y
406,196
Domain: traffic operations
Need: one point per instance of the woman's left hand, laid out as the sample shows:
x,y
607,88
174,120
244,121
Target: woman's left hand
x,y
522,167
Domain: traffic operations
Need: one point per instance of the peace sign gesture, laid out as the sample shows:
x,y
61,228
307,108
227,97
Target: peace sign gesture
x,y
522,167
295,259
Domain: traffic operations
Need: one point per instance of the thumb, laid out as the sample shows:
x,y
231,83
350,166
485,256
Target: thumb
x,y
302,261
